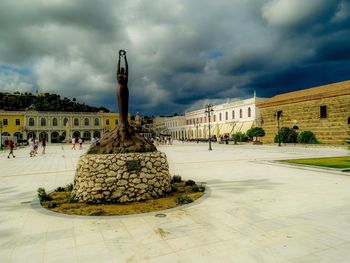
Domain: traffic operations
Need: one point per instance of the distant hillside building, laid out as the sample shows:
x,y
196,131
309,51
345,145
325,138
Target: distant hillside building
x,y
324,110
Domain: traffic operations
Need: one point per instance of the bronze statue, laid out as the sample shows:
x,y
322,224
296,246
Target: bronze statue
x,y
123,91
122,139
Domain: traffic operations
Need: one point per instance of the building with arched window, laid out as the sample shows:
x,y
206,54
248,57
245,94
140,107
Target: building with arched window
x,y
196,123
53,125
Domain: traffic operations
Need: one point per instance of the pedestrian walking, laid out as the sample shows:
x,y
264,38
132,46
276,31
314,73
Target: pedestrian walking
x,y
43,144
80,141
11,145
36,146
31,147
73,143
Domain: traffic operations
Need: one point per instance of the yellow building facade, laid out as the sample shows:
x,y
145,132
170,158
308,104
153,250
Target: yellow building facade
x,y
56,125
324,110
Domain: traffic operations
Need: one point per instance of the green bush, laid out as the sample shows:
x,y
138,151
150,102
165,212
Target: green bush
x,y
255,132
239,137
176,179
286,135
59,189
70,198
307,137
190,182
198,188
174,188
43,196
184,200
69,187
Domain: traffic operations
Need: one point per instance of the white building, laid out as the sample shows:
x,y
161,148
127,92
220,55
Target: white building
x,y
226,119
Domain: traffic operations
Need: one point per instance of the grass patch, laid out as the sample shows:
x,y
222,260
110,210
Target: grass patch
x,y
333,162
61,203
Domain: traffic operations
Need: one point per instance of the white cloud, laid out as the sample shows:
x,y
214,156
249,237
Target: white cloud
x,y
289,13
10,82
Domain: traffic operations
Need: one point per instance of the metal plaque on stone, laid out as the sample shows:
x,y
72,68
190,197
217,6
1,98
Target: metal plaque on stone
x,y
133,165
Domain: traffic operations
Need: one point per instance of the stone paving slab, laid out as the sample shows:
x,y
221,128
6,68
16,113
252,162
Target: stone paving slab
x,y
256,212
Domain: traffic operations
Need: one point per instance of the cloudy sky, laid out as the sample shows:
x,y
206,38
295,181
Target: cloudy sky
x,y
181,53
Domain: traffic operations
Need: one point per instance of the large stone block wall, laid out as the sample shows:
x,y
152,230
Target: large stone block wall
x,y
306,115
107,177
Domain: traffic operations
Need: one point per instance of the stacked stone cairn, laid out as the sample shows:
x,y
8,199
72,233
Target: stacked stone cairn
x,y
121,178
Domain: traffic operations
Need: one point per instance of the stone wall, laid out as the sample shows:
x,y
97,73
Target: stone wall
x,y
121,178
306,115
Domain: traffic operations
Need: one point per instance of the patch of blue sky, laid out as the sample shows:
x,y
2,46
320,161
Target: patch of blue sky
x,y
213,55
11,70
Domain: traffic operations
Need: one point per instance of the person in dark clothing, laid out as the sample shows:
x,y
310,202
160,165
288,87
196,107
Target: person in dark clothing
x,y
11,145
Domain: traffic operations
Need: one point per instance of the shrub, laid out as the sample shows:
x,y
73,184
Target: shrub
x,y
70,198
174,188
286,135
184,200
176,179
51,205
239,137
69,187
59,189
198,188
255,132
190,182
42,195
307,137
99,212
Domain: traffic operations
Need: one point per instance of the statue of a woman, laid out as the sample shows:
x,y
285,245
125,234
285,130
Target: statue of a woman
x,y
123,91
123,138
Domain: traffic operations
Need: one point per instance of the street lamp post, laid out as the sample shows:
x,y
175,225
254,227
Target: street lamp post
x,y
208,110
278,115
197,125
0,135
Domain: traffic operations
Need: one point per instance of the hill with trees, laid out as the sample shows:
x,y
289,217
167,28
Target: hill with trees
x,y
43,102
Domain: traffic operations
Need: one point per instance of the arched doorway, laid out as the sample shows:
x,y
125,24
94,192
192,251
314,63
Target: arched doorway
x,y
87,136
43,135
76,134
54,137
18,136
97,134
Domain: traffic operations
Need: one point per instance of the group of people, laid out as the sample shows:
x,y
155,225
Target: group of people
x,y
164,140
76,141
33,144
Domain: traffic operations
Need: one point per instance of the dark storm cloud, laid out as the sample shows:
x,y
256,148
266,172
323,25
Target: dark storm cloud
x,y
181,52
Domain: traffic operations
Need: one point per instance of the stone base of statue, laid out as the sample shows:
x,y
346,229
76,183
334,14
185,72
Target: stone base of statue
x,y
121,178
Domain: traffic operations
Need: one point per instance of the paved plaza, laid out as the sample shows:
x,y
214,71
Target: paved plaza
x,y
255,210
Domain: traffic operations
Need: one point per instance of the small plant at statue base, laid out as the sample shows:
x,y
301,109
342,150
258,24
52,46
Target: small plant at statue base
x,y
59,189
96,213
198,188
70,197
184,200
174,188
69,187
42,195
190,182
176,179
51,205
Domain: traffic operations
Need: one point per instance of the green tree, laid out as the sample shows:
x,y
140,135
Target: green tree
x,y
286,135
307,137
239,137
